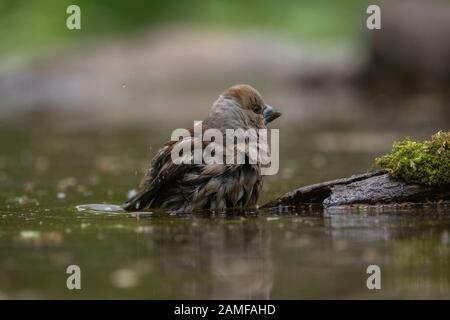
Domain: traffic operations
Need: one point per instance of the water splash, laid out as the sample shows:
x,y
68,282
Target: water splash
x,y
100,208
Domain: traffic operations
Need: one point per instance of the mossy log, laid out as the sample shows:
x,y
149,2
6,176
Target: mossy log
x,y
369,188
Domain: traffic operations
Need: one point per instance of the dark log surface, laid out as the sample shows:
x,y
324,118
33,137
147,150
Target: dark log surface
x,y
369,188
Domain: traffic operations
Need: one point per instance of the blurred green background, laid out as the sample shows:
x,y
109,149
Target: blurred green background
x,y
27,28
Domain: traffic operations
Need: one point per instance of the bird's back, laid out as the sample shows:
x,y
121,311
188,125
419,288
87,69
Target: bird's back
x,y
189,187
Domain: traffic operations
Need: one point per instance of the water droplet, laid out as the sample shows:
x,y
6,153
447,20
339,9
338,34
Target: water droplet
x,y
124,278
61,196
131,193
99,208
29,234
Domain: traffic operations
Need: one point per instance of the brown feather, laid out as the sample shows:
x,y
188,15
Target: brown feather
x,y
190,187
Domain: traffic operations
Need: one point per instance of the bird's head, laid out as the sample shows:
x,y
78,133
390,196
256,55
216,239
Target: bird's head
x,y
241,106
252,104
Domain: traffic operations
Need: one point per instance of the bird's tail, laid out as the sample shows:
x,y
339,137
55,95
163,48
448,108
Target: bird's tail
x,y
139,201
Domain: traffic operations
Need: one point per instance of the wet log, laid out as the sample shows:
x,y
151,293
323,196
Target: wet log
x,y
369,188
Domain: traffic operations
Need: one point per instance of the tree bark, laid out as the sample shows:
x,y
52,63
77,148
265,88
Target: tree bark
x,y
369,188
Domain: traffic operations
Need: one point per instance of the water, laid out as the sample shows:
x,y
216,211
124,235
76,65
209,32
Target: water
x,y
46,172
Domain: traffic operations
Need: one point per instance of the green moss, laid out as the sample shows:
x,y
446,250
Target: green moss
x,y
426,162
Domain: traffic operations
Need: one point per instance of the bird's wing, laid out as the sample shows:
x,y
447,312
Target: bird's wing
x,y
161,173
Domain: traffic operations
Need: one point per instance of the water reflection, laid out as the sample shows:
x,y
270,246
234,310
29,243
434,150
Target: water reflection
x,y
301,255
312,254
213,258
293,253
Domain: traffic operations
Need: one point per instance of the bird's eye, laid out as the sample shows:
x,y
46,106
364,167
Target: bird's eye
x,y
256,109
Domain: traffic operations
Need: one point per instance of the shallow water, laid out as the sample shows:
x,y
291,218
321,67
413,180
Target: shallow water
x,y
46,172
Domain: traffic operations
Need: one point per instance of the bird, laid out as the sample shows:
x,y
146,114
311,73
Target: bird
x,y
189,187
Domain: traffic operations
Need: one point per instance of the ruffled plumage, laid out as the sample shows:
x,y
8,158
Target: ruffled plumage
x,y
190,187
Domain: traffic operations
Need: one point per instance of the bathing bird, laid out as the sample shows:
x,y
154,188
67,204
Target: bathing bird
x,y
183,185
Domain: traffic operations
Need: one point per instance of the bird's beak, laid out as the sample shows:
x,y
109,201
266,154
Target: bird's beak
x,y
270,114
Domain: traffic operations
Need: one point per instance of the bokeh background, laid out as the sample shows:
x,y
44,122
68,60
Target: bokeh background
x,y
83,111
146,61
137,70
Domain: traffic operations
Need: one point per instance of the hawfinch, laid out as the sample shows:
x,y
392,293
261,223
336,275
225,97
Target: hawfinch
x,y
191,186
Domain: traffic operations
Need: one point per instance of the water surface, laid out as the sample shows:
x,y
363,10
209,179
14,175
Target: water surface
x,y
307,252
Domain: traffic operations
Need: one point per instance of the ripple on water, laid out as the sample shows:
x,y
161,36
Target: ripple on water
x,y
100,208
